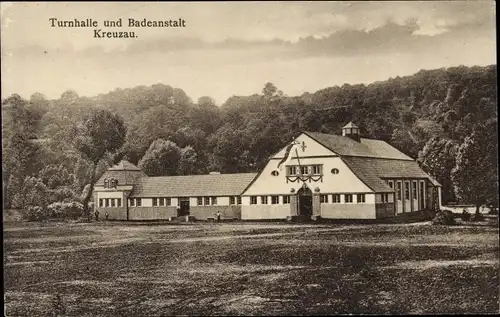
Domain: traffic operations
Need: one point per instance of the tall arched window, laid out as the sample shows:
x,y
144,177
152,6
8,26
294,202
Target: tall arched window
x,y
106,183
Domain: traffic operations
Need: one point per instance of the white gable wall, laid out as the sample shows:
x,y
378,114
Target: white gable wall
x,y
313,148
343,182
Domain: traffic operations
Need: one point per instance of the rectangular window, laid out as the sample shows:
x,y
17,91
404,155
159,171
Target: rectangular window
x,y
200,201
407,190
414,189
286,200
131,201
304,170
207,201
323,198
168,201
155,202
113,203
106,202
214,200
263,200
161,201
361,198
253,200
317,169
238,199
275,200
399,191
119,202
138,202
391,184
232,200
291,171
101,202
335,198
348,198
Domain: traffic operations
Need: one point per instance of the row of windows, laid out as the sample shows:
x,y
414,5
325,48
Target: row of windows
x,y
206,201
235,200
304,170
275,200
135,202
110,202
167,201
348,198
399,191
163,201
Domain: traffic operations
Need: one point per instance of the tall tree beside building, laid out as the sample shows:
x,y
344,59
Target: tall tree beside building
x,y
99,134
475,175
438,158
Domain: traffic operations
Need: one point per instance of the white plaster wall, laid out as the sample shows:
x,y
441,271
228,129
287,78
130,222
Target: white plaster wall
x,y
254,212
222,201
114,194
312,148
343,182
245,200
174,201
193,201
439,197
146,202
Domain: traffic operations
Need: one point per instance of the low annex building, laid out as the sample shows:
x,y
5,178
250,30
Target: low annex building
x,y
316,175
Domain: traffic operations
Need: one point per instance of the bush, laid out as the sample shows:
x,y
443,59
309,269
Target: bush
x,y
71,210
465,215
62,194
444,217
36,213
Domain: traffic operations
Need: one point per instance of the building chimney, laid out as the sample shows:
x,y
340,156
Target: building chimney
x,y
352,131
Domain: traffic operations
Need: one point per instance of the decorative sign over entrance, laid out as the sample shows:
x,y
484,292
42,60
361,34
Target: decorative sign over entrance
x,y
304,178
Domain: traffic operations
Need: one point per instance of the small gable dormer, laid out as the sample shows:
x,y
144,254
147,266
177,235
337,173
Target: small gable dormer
x,y
352,131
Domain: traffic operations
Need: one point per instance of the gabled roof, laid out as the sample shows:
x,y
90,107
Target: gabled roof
x,y
193,185
124,166
345,146
350,125
125,172
372,171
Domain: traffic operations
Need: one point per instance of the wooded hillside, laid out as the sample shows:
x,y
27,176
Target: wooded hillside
x,y
429,116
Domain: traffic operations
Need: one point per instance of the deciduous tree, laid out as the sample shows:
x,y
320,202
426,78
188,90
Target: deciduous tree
x,y
475,175
100,133
162,158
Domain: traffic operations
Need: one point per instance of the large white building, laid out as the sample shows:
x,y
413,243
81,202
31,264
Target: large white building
x,y
316,175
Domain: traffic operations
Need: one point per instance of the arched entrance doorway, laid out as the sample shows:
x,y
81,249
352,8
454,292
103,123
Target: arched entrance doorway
x,y
304,197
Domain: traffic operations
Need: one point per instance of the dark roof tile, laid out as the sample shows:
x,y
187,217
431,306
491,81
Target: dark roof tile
x,y
372,171
345,146
193,185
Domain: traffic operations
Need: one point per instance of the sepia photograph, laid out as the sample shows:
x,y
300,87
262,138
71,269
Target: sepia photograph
x,y
261,158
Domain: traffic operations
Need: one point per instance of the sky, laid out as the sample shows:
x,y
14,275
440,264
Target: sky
x,y
234,48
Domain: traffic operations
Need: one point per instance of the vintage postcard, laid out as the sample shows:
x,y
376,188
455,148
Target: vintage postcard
x,y
249,158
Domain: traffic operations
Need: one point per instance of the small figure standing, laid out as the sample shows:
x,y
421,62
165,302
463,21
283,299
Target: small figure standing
x,y
96,215
218,216
107,215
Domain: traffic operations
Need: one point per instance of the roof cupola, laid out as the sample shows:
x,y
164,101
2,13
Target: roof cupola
x,y
352,131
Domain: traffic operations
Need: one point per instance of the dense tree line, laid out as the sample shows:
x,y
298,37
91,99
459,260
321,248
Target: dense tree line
x,y
435,116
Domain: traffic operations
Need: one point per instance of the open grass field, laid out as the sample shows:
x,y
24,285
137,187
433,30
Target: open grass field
x,y
117,269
